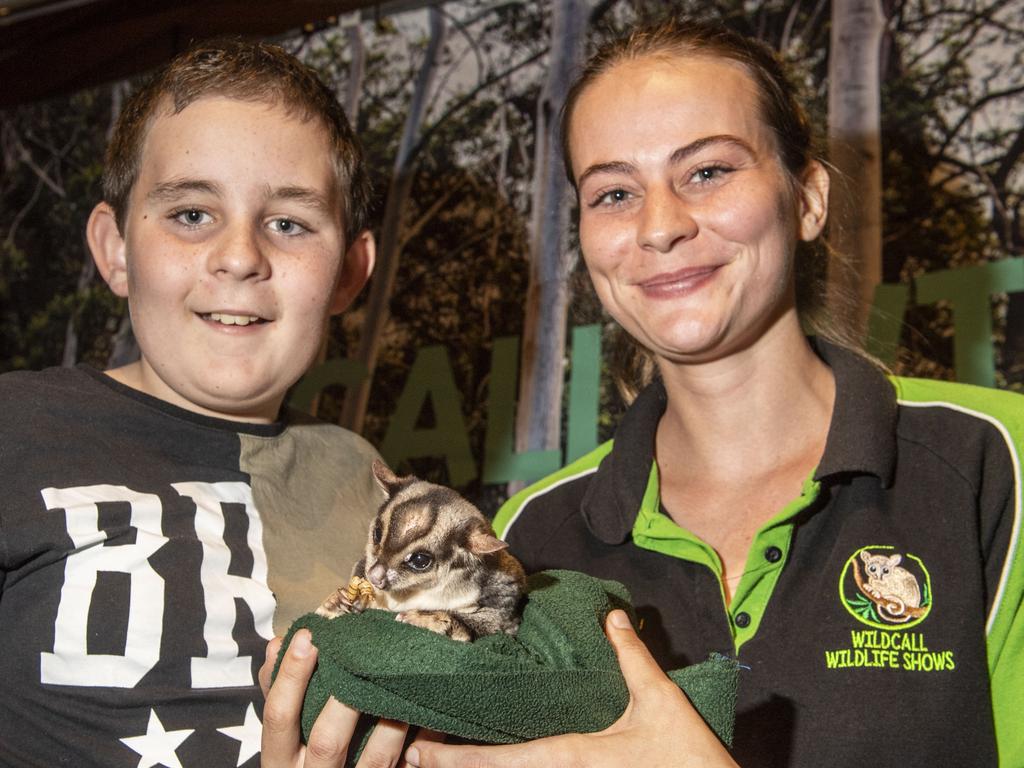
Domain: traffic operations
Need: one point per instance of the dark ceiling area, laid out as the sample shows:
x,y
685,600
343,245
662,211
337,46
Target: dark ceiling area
x,y
53,47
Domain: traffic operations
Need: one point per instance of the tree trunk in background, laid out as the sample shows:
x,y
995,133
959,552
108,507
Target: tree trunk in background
x,y
538,417
855,149
124,348
377,308
356,72
349,99
85,276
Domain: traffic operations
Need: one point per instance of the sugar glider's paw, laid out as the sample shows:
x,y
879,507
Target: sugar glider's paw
x,y
441,622
334,605
355,598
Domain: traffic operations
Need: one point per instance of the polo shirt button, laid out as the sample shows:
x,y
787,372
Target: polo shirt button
x,y
742,619
773,554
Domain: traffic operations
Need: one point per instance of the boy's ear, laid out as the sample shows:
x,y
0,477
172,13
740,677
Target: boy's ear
x,y
813,200
108,248
355,271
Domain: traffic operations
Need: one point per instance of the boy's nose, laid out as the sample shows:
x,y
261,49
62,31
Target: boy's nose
x,y
239,254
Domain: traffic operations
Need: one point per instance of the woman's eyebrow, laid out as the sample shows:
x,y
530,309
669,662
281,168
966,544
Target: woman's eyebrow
x,y
684,153
678,156
617,166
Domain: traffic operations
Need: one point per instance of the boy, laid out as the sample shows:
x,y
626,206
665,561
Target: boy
x,y
160,521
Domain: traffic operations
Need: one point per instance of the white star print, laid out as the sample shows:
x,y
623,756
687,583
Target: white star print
x,y
248,734
158,746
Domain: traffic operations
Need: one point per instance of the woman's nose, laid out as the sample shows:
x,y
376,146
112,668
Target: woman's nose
x,y
239,254
665,219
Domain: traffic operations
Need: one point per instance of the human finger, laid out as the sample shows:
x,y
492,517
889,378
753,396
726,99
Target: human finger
x,y
659,716
331,736
383,748
556,750
283,706
267,670
639,668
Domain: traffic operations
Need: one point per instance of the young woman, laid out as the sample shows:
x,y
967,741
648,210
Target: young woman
x,y
850,538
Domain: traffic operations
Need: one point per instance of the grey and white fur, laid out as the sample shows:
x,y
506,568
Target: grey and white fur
x,y
433,560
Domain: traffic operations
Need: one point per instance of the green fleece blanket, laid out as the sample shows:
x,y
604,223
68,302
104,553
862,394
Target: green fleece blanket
x,y
558,674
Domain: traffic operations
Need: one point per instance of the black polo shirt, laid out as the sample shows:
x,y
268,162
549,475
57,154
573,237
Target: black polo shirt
x,y
879,616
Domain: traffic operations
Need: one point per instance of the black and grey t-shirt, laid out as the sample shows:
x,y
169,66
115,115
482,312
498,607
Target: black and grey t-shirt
x,y
147,554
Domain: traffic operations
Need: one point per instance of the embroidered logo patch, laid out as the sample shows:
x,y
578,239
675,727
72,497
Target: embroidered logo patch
x,y
886,589
890,591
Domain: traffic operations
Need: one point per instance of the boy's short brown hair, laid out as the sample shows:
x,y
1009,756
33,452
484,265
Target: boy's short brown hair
x,y
248,71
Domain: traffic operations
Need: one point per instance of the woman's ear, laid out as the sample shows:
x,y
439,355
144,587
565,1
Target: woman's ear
x,y
108,248
813,193
355,271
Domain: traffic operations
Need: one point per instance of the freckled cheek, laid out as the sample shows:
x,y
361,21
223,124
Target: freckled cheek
x,y
604,247
308,288
741,223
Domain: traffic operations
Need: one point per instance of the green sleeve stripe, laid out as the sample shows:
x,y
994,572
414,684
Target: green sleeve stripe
x,y
1011,553
514,506
1005,624
1005,412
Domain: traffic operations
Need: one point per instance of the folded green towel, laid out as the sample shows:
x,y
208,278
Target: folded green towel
x,y
558,674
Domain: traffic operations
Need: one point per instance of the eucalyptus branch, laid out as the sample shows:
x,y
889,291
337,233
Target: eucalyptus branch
x,y
22,213
974,107
468,98
410,231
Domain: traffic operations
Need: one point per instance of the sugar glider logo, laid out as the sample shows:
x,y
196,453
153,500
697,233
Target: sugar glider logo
x,y
886,589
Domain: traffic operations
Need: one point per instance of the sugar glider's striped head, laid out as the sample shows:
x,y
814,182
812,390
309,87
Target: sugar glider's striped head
x,y
425,545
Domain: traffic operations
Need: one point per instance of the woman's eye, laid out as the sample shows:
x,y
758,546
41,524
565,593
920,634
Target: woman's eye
x,y
419,561
612,197
709,173
192,217
287,227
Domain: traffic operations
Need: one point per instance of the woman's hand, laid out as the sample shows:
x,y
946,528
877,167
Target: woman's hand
x,y
658,728
331,735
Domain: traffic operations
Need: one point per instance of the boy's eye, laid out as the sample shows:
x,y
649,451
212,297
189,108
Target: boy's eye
x,y
419,561
287,227
191,217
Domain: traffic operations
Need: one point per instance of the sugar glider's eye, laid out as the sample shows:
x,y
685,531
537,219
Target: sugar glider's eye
x,y
419,561
377,532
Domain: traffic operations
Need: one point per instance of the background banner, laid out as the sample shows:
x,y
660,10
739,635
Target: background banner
x,y
478,355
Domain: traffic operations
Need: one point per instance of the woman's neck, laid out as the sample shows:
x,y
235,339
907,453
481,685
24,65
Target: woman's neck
x,y
765,406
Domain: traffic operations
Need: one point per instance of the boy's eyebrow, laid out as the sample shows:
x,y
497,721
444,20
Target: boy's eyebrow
x,y
302,195
168,191
172,190
679,155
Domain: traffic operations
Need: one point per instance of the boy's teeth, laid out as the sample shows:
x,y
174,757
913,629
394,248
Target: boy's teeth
x,y
226,319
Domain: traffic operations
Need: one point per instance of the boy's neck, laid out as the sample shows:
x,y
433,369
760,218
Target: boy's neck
x,y
142,378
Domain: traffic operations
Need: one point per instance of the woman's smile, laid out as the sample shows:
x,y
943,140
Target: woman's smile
x,y
671,285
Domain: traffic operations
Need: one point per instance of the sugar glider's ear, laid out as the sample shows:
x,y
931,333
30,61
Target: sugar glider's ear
x,y
388,481
483,542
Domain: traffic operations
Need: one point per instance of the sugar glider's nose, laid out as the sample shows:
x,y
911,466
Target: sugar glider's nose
x,y
378,576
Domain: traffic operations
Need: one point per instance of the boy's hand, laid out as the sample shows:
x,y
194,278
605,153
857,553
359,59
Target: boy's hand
x,y
658,728
331,736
